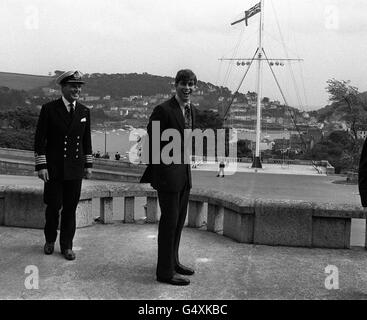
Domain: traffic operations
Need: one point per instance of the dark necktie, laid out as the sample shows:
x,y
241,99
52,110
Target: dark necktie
x,y
71,112
188,123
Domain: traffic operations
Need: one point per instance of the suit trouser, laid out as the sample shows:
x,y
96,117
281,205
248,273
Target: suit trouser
x,y
173,214
63,194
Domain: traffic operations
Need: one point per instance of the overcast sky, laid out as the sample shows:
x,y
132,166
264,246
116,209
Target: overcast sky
x,y
162,36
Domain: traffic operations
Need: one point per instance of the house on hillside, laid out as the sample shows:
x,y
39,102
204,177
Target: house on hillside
x,y
361,131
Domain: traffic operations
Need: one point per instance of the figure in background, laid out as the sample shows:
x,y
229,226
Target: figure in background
x,y
221,169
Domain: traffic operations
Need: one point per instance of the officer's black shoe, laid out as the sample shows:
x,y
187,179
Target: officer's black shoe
x,y
175,280
181,269
68,254
49,247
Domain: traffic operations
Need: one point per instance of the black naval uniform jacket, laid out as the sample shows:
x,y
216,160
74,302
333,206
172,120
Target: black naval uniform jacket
x,y
63,146
172,177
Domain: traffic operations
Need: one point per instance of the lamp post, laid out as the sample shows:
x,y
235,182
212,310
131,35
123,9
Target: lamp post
x,y
105,141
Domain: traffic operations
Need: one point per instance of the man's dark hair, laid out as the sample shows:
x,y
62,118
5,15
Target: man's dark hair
x,y
185,75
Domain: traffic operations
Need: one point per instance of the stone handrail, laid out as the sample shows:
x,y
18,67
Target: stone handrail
x,y
255,221
21,162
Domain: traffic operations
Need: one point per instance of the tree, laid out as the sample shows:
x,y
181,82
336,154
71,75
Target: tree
x,y
337,148
21,117
347,99
341,92
265,100
22,125
17,139
208,119
243,149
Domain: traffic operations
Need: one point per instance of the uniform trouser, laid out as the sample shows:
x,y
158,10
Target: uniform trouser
x,y
63,194
173,214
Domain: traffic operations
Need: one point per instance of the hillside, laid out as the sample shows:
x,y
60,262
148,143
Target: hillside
x,y
132,84
19,81
101,84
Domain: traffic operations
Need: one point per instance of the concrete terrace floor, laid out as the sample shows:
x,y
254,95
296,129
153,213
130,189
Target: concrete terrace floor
x,y
274,185
266,168
118,261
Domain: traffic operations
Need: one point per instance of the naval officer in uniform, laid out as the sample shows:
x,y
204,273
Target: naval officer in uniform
x,y
63,156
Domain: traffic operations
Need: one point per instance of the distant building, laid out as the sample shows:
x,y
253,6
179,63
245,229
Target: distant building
x,y
91,98
134,98
306,115
50,92
315,134
361,131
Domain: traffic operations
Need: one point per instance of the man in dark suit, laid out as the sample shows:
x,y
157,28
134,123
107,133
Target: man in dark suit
x,y
63,155
171,180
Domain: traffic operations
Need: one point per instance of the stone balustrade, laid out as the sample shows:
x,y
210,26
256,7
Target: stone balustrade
x,y
253,221
21,162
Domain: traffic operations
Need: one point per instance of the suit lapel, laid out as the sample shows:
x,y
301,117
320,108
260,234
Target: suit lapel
x,y
176,109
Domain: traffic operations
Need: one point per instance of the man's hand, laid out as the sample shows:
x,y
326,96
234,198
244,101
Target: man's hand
x,y
87,173
43,174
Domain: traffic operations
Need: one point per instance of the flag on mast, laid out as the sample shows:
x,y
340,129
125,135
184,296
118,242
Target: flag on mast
x,y
252,11
249,13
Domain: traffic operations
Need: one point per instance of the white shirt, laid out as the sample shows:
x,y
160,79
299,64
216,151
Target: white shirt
x,y
67,104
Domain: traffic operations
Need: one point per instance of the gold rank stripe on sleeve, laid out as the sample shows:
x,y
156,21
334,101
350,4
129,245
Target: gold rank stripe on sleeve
x,y
88,158
40,160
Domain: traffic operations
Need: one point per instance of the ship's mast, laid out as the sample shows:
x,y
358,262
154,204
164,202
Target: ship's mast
x,y
260,56
257,161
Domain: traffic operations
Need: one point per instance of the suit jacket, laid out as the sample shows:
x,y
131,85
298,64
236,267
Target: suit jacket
x,y
171,177
63,146
362,175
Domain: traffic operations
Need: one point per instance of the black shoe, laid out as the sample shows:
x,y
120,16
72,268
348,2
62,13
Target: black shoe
x,y
175,280
68,254
49,247
217,175
222,176
181,269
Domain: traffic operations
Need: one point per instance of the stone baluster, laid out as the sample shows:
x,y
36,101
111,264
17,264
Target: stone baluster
x,y
83,216
2,210
196,216
129,206
106,210
215,218
152,212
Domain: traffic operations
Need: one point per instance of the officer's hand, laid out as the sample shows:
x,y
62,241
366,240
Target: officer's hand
x,y
87,173
43,174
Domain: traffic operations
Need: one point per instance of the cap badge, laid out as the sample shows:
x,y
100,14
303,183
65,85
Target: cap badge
x,y
77,75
